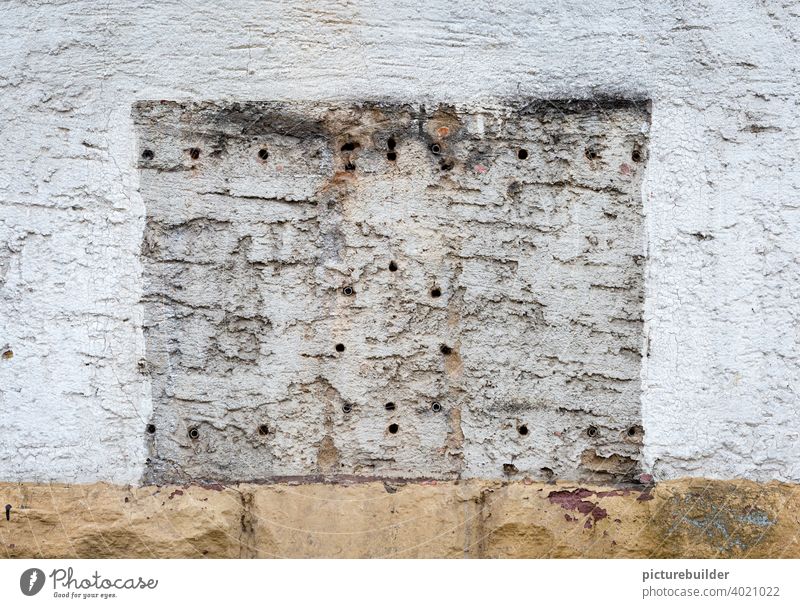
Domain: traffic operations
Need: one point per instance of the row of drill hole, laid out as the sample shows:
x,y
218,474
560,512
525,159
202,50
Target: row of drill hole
x,y
390,407
591,431
194,154
443,348
522,153
263,429
522,429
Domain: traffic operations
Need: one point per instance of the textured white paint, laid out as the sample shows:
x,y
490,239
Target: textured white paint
x,y
721,191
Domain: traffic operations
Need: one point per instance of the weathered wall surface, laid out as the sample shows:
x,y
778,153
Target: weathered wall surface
x,y
695,518
384,290
720,192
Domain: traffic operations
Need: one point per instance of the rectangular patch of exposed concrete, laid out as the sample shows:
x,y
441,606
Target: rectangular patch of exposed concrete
x,y
481,266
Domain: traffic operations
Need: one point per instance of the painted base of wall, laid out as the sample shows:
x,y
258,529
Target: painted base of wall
x,y
681,518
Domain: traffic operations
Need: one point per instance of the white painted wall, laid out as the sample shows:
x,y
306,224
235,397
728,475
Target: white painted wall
x,y
720,384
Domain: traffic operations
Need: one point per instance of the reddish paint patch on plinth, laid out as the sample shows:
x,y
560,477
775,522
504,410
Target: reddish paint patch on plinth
x,y
574,500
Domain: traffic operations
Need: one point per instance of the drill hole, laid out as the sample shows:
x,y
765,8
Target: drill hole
x,y
194,433
347,408
348,291
263,154
393,428
633,431
436,292
445,350
392,267
340,348
510,469
194,153
151,428
522,154
350,146
263,429
591,431
636,155
436,148
148,154
391,143
389,407
436,406
349,166
523,429
391,156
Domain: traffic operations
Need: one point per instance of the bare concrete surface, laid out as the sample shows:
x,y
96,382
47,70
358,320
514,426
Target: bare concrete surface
x,y
394,291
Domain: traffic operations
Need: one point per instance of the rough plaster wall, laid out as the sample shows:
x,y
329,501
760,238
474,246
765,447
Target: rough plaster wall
x,y
393,290
720,192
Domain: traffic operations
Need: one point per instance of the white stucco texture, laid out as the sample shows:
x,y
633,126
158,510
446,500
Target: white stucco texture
x,y
720,192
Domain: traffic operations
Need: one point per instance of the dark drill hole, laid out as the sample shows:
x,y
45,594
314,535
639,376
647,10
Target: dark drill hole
x,y
436,406
390,406
435,148
632,431
436,292
591,154
263,429
263,154
349,166
523,429
340,348
445,350
636,155
392,267
194,433
151,428
194,153
348,291
391,143
147,154
522,154
391,156
8,512
347,408
393,428
350,146
591,431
